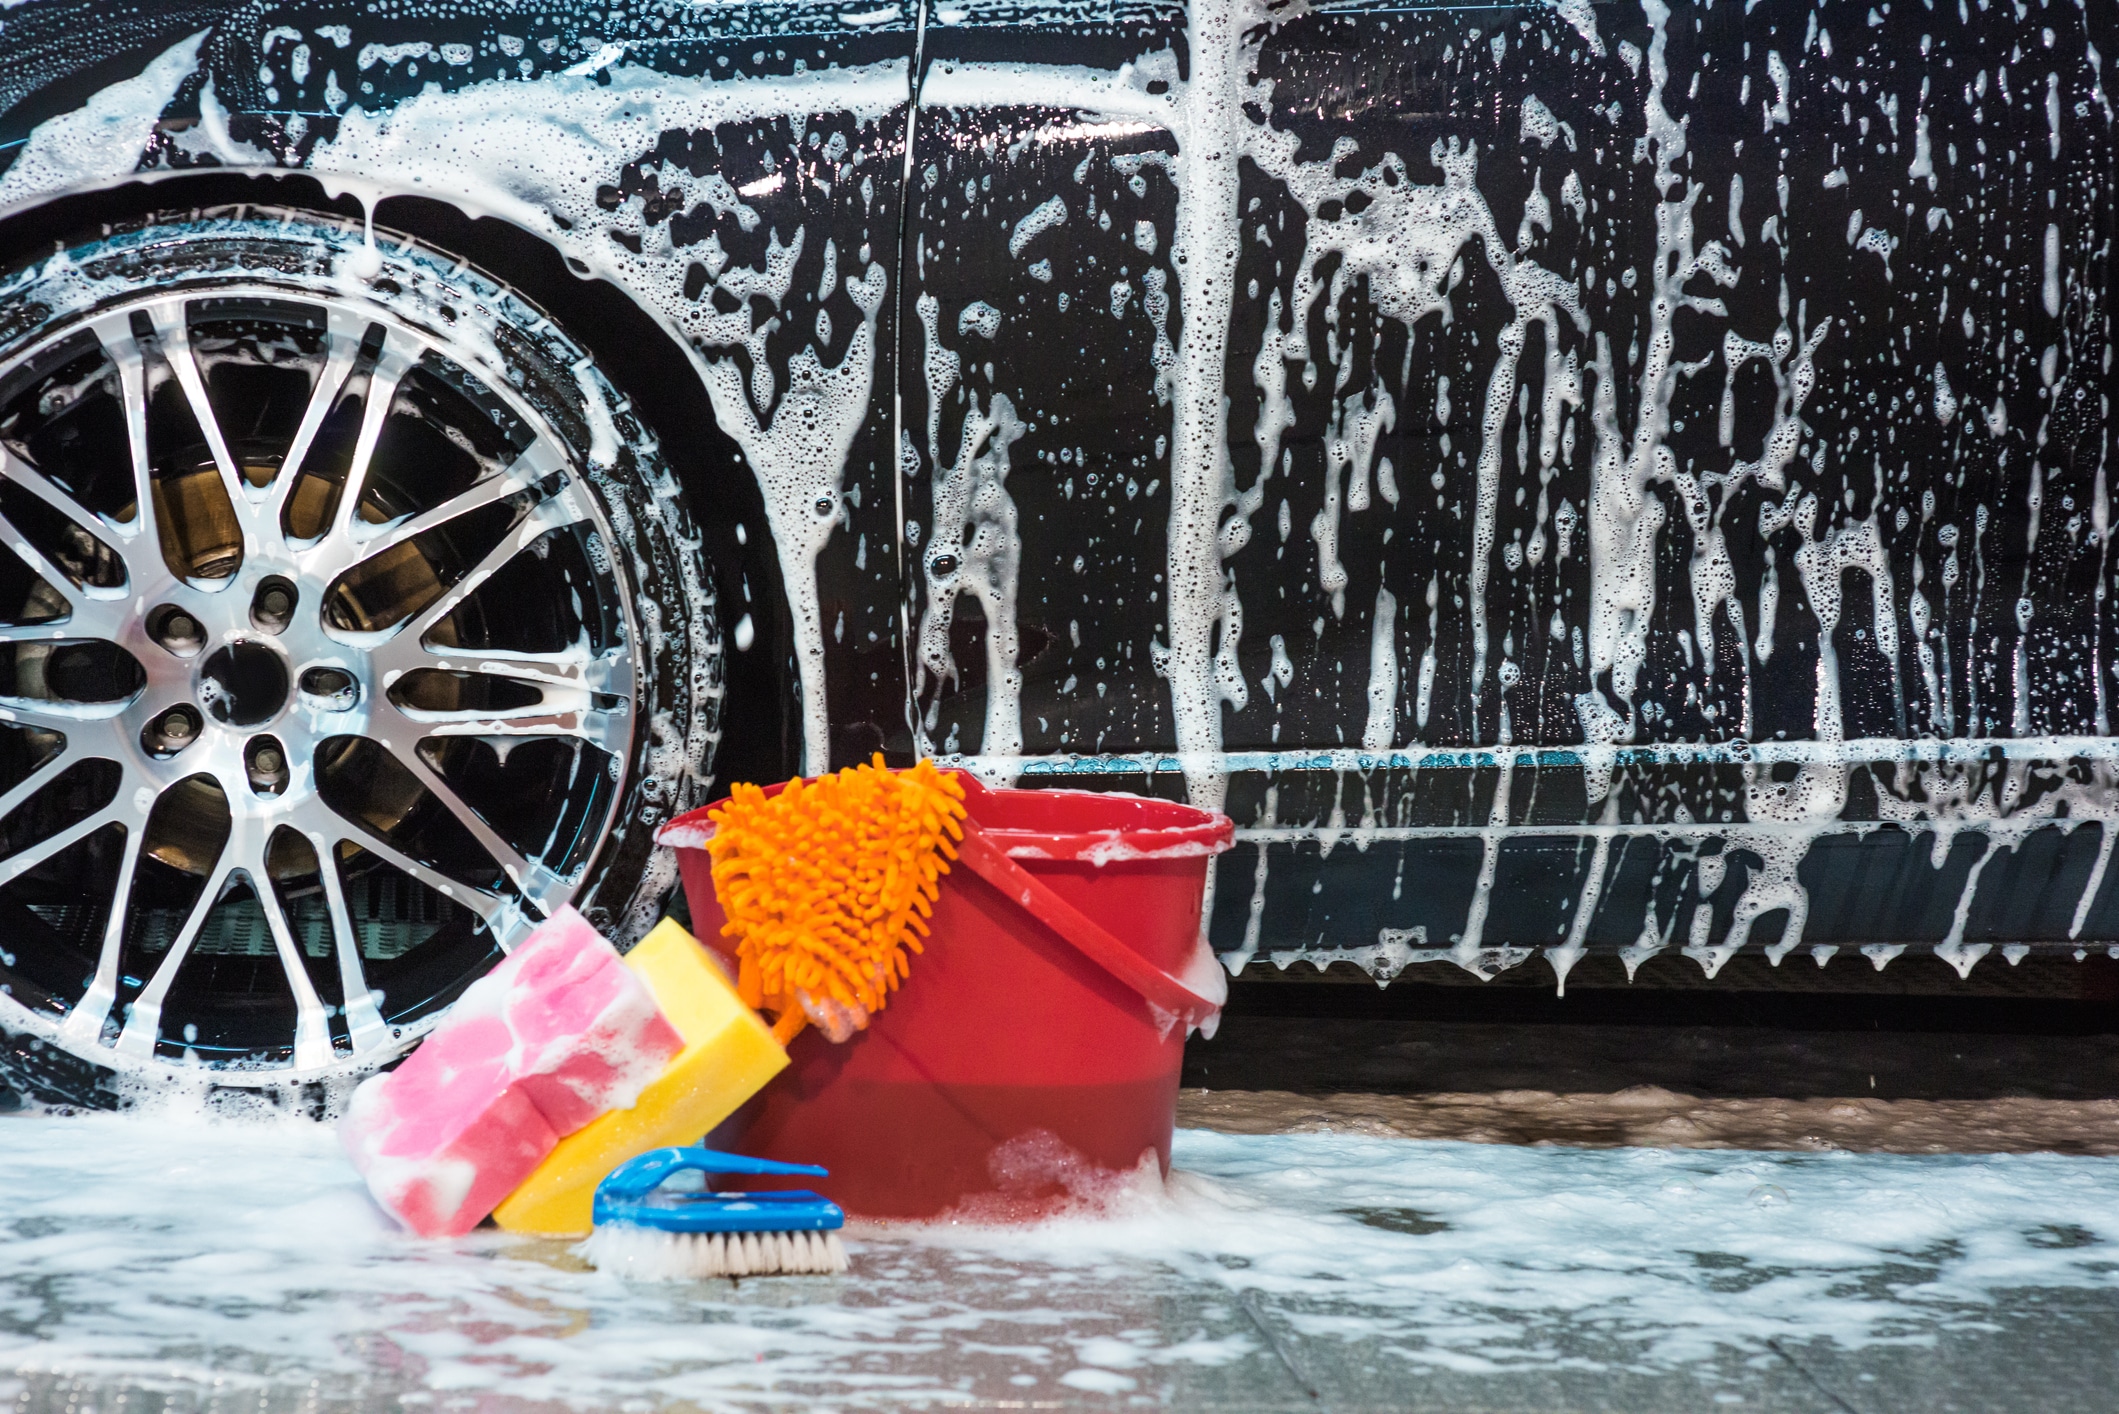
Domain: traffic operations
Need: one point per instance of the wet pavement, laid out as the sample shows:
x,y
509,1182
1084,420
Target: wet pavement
x,y
184,1263
2057,1356
1431,1198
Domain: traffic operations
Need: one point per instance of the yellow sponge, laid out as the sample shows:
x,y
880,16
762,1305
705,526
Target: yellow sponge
x,y
728,1056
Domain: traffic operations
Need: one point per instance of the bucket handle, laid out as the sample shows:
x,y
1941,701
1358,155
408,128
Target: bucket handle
x,y
1172,999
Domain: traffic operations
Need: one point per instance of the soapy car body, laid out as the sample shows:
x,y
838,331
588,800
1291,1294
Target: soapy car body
x,y
1568,479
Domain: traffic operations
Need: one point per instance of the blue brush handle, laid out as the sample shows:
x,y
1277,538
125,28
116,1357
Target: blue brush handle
x,y
637,1177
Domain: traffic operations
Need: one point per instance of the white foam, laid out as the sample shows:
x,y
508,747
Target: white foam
x,y
1203,113
1383,674
799,458
975,546
101,140
1042,218
136,1260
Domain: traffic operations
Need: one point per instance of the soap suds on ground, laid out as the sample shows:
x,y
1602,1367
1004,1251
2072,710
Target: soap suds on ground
x,y
182,1252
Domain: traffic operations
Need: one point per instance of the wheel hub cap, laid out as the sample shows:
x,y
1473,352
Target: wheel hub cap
x,y
243,684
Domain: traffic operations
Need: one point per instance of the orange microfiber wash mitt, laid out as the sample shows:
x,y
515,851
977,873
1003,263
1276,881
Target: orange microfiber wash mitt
x,y
827,885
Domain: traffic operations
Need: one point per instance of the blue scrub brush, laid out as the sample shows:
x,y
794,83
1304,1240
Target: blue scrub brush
x,y
645,1230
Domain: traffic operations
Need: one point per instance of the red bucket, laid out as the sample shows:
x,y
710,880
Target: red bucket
x,y
1037,1043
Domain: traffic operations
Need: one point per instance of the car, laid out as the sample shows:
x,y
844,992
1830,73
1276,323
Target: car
x,y
1571,479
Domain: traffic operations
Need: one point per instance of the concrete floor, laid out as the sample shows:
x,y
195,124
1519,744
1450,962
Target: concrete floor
x,y
2052,1353
201,1294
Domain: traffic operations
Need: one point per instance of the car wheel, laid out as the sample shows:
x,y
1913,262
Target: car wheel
x,y
349,624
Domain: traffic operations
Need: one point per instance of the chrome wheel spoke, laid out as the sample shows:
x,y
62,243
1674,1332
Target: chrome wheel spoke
x,y
364,1022
57,716
391,366
81,608
57,631
143,1025
30,856
338,555
402,648
175,336
312,1032
85,1021
566,706
114,332
38,779
319,820
533,880
602,729
21,473
344,332
520,475
550,673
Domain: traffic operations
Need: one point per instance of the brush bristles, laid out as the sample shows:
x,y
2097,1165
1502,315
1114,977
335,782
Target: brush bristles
x,y
651,1254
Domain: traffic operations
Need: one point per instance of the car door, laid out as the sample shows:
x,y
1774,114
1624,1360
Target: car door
x,y
1605,446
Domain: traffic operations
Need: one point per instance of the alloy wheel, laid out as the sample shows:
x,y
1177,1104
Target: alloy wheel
x,y
315,679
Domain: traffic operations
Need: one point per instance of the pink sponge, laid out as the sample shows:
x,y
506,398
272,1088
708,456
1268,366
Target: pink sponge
x,y
553,1037
441,1146
588,1035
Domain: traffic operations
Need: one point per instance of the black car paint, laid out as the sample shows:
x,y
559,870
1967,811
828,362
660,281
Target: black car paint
x,y
1392,842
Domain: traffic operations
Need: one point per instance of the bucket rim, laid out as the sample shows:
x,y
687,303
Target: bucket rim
x,y
1210,833
1193,996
